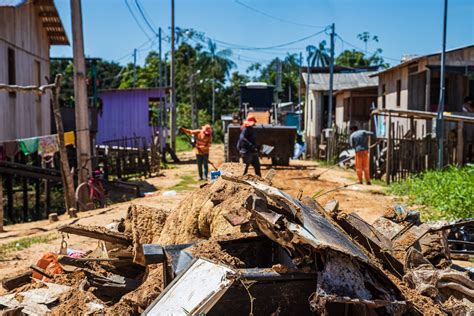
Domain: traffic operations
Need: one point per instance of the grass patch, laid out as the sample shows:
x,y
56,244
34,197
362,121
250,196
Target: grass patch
x,y
447,194
186,183
24,243
324,163
182,143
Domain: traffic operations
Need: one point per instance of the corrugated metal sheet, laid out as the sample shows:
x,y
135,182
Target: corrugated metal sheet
x,y
342,81
125,114
49,17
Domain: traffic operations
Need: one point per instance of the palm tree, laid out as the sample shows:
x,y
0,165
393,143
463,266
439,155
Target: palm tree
x,y
218,62
318,56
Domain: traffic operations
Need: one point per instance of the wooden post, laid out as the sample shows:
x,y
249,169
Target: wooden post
x,y
460,144
24,182
1,203
68,182
83,141
173,82
389,149
9,184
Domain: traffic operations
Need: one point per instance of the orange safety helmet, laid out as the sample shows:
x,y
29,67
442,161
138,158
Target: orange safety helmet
x,y
207,129
250,121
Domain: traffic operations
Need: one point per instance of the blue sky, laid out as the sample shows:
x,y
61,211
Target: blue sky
x,y
403,26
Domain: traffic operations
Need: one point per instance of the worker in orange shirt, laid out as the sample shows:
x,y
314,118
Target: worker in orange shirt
x,y
359,140
203,144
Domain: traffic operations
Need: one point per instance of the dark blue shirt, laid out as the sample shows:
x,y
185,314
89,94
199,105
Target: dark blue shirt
x,y
359,140
247,140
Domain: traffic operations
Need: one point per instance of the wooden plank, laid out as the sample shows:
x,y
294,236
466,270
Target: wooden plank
x,y
97,232
16,281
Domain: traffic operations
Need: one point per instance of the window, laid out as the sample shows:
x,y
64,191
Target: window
x,y
11,69
154,112
384,92
399,91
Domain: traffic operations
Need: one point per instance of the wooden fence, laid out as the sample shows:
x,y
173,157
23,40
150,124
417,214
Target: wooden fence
x,y
408,145
125,158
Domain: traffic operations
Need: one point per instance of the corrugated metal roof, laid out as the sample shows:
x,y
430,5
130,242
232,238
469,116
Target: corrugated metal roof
x,y
417,58
342,81
48,15
11,3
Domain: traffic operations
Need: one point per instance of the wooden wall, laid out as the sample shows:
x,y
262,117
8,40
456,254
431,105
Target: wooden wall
x,y
24,114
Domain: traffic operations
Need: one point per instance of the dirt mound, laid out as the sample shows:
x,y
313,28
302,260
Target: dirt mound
x,y
201,215
135,302
145,225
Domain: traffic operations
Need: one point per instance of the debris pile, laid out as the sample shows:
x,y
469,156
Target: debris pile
x,y
239,245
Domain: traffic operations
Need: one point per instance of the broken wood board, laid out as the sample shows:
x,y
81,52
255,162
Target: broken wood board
x,y
16,281
97,232
194,291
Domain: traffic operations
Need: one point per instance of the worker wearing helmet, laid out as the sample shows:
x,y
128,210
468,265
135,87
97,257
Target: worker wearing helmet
x,y
247,145
203,145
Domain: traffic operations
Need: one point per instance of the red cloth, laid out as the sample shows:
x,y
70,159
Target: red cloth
x,y
362,165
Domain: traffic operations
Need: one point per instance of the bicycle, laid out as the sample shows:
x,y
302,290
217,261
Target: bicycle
x,y
90,194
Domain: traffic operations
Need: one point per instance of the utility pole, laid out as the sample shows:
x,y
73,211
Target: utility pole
x,y
194,118
134,67
299,91
440,114
83,140
213,99
173,83
331,76
160,81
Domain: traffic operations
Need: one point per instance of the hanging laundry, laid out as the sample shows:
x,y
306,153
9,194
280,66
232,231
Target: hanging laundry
x,y
29,145
69,138
10,148
48,146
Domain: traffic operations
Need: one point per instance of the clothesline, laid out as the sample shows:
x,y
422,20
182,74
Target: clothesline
x,y
46,145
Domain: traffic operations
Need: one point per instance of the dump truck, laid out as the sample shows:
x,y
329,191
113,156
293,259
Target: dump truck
x,y
256,98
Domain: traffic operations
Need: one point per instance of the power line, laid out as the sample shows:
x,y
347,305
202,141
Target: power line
x,y
275,17
145,18
136,20
244,47
139,48
363,50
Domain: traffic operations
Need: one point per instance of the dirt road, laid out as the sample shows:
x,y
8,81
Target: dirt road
x,y
27,242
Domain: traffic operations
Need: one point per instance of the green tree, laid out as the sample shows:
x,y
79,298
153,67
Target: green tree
x,y
318,56
219,63
354,58
366,37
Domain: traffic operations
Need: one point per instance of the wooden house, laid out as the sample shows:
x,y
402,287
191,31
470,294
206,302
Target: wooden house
x,y
316,107
28,28
131,112
353,107
414,83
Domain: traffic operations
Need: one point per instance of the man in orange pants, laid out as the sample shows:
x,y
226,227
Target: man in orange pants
x,y
359,140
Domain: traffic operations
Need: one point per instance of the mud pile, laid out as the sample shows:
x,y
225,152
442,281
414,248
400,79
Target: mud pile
x,y
202,214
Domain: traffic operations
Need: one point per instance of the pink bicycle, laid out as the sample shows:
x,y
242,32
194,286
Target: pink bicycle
x,y
90,194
